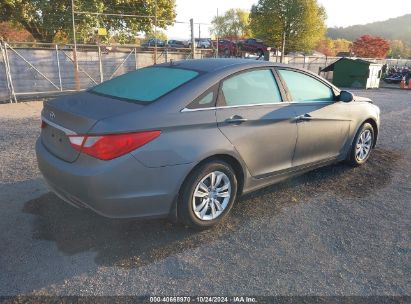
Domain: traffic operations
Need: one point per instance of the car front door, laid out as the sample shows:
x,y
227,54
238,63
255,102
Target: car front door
x,y
252,115
323,123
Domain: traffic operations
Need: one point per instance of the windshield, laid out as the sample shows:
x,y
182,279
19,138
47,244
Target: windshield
x,y
145,85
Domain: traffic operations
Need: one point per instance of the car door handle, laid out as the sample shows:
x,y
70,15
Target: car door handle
x,y
305,117
236,119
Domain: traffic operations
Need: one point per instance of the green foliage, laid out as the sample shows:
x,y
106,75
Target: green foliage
x,y
61,38
393,29
45,18
159,35
120,37
302,22
233,24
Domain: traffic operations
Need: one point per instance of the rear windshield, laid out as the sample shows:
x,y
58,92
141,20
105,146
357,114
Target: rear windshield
x,y
145,85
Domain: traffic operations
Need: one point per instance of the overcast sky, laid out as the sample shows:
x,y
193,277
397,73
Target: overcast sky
x,y
339,12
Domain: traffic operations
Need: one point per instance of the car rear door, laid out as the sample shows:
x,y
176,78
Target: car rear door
x,y
323,123
252,115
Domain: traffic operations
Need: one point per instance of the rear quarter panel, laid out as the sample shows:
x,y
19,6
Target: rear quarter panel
x,y
190,137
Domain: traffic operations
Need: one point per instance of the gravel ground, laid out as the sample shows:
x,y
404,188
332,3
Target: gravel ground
x,y
334,231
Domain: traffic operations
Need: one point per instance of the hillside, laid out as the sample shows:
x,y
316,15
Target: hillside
x,y
392,29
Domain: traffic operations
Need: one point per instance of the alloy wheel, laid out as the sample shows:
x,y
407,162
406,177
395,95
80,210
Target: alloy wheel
x,y
363,146
211,196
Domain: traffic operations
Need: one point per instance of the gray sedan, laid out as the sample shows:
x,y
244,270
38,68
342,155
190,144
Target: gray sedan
x,y
185,139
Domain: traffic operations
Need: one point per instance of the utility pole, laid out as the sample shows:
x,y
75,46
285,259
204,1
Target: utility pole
x,y
76,79
282,48
155,33
193,41
216,55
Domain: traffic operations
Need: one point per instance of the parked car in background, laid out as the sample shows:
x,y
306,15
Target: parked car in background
x,y
176,44
152,43
202,43
226,48
186,139
254,46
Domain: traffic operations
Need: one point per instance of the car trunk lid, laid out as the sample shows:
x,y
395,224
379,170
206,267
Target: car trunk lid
x,y
76,114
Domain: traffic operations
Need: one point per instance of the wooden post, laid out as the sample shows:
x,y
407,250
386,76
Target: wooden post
x,y
76,79
193,41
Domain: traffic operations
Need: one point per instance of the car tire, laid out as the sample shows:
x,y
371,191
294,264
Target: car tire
x,y
362,145
200,204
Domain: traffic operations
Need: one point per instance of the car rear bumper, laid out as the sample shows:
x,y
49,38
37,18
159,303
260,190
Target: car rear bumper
x,y
120,188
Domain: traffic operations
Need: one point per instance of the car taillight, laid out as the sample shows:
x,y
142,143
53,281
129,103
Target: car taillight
x,y
43,124
107,147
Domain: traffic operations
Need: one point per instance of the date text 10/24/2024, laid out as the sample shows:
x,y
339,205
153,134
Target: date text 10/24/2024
x,y
203,299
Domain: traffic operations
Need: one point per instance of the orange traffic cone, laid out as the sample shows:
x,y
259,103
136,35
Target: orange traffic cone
x,y
402,85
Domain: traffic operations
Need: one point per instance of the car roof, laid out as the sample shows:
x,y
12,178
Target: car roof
x,y
220,64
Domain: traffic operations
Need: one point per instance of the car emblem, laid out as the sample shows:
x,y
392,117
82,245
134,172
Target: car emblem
x,y
52,115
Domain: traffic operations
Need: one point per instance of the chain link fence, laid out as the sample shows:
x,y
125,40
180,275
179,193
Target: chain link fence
x,y
29,71
47,69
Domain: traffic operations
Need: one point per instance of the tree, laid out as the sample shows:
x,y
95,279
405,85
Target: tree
x,y
330,47
159,35
399,50
296,25
371,47
61,38
326,46
121,38
342,45
234,24
14,32
45,18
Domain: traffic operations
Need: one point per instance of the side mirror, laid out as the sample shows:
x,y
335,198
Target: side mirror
x,y
346,96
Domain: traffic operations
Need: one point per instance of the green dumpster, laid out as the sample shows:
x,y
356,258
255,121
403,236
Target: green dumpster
x,y
355,73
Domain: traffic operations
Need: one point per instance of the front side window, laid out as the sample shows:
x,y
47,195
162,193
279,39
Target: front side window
x,y
254,87
145,85
304,88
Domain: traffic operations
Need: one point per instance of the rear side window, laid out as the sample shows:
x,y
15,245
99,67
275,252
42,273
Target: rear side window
x,y
304,88
205,100
254,87
145,85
